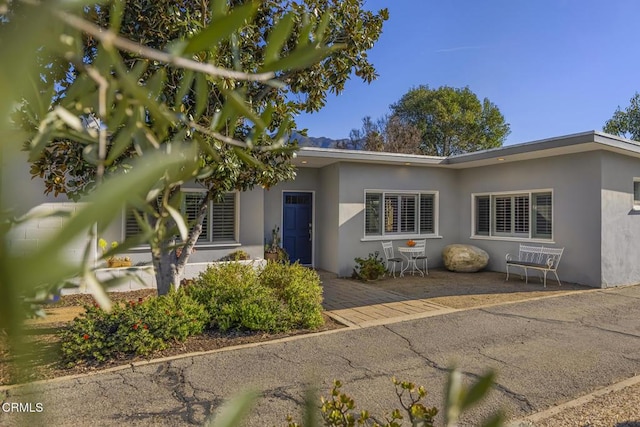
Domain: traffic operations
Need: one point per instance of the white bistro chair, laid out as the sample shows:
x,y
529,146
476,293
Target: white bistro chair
x,y
387,248
422,255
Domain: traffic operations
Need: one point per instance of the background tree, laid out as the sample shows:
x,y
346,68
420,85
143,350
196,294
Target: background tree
x,y
388,134
310,47
451,120
369,138
626,123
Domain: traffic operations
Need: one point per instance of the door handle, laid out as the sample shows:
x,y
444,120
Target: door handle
x,y
310,231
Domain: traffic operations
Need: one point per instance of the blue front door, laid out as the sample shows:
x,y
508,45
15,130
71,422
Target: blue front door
x,y
296,226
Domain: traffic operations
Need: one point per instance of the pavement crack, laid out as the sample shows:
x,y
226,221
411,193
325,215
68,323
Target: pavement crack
x,y
562,322
520,316
412,348
193,410
503,389
282,393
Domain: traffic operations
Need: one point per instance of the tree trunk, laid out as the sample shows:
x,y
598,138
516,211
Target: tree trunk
x,y
164,264
169,267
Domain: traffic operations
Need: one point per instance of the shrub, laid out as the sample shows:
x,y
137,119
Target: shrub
x,y
235,299
281,297
300,291
370,268
238,255
133,328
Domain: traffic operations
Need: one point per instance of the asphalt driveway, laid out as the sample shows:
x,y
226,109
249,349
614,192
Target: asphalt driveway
x,y
546,351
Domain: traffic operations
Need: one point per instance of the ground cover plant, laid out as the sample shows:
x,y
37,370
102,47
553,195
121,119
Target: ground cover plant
x,y
137,327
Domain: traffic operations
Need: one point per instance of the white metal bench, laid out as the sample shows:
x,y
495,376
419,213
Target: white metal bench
x,y
537,258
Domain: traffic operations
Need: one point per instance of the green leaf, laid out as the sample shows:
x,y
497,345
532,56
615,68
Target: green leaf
x,y
179,220
322,27
98,292
202,94
234,411
301,58
156,82
185,85
115,15
247,158
478,391
277,38
221,28
238,101
453,395
496,420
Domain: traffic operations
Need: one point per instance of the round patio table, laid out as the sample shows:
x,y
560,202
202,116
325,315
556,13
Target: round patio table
x,y
410,253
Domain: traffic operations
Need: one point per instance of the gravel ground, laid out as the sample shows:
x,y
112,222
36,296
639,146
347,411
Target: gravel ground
x,y
616,408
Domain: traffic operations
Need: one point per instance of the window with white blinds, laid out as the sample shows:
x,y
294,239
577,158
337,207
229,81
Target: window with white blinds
x,y
223,228
399,213
191,202
218,226
526,215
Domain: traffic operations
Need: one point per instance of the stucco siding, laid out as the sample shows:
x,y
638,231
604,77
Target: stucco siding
x,y
355,178
326,211
575,183
19,192
620,223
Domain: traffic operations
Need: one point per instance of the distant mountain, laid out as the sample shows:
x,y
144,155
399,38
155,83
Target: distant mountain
x,y
310,141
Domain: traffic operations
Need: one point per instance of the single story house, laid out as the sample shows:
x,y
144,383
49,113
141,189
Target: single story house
x,y
580,192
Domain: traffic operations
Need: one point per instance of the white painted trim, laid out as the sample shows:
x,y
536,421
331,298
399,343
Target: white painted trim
x,y
491,215
513,239
400,236
388,237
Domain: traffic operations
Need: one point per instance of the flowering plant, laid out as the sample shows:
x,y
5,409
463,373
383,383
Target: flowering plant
x,y
113,261
411,243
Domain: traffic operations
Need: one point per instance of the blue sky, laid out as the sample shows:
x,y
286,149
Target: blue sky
x,y
553,67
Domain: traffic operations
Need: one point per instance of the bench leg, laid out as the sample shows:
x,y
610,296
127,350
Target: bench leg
x,y
556,274
507,279
526,275
545,277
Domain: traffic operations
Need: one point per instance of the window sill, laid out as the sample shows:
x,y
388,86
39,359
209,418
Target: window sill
x,y
400,237
198,246
513,239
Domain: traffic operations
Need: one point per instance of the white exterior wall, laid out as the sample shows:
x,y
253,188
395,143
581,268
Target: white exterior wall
x,y
575,182
355,178
327,234
30,235
620,249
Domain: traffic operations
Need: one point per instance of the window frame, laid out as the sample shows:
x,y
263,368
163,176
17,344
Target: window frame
x,y
382,196
636,189
532,203
209,241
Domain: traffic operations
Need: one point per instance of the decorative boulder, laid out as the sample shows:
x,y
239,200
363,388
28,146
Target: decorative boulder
x,y
464,258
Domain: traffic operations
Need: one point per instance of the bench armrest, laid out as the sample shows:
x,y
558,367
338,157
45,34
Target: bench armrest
x,y
508,257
